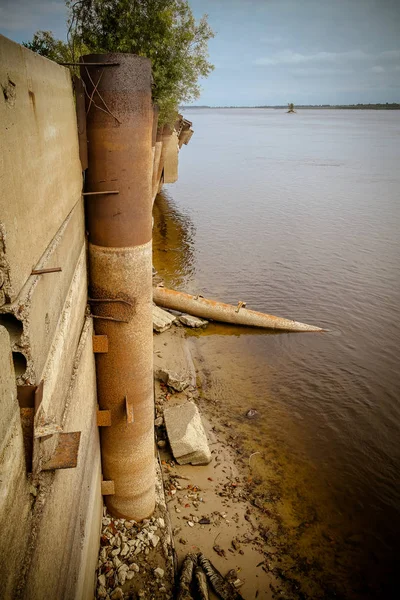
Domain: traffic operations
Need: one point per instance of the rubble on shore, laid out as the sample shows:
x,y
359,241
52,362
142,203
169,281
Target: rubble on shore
x,y
204,510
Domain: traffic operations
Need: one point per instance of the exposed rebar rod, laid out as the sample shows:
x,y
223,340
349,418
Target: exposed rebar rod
x,y
44,271
100,193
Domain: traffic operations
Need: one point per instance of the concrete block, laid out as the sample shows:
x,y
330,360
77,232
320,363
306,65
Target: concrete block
x,y
15,499
156,169
185,137
40,172
162,320
33,318
173,362
169,157
193,322
186,434
64,555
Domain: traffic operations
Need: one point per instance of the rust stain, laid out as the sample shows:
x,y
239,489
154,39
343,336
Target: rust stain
x,y
32,99
103,418
119,130
100,344
107,488
66,453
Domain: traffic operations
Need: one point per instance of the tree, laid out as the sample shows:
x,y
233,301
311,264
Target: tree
x,y
163,30
44,43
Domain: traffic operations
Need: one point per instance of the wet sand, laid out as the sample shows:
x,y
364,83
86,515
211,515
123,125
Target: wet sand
x,y
233,532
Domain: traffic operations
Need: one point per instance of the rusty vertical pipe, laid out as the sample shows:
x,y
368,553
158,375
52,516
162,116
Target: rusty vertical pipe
x,y
119,128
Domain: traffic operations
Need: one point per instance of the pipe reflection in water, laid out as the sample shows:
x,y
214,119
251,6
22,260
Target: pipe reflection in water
x,y
173,242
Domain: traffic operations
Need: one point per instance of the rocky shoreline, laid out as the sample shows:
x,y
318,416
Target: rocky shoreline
x,y
200,509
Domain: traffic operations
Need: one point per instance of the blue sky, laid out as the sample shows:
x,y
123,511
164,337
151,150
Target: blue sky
x,y
274,51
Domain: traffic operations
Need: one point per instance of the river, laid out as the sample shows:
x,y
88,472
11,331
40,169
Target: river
x,y
299,216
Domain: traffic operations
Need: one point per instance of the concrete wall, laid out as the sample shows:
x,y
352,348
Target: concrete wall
x,y
49,520
166,148
39,145
15,499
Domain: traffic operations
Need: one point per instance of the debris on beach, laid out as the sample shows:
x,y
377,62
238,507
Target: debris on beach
x,y
162,320
252,413
193,322
224,313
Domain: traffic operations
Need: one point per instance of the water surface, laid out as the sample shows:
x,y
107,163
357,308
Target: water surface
x,y
299,216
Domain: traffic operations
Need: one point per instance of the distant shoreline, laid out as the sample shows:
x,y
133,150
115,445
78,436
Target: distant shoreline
x,y
391,106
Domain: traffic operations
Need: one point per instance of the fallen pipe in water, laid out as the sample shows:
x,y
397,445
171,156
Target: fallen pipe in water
x,y
226,313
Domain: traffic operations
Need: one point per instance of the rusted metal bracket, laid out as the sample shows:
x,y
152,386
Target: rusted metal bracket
x,y
100,344
103,418
107,488
240,305
99,193
66,453
129,411
29,399
44,271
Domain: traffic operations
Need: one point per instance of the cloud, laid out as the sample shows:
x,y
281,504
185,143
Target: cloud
x,y
273,40
20,15
377,69
288,57
390,55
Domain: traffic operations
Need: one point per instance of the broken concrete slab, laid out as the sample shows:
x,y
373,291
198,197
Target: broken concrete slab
x,y
174,380
173,363
193,322
162,320
186,434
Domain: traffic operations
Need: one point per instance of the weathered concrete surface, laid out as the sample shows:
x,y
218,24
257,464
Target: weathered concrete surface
x,y
192,322
40,144
63,551
156,168
174,368
169,157
186,434
185,137
33,318
15,500
127,447
162,320
60,360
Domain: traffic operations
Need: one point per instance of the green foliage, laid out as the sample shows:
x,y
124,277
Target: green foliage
x,y
44,43
163,30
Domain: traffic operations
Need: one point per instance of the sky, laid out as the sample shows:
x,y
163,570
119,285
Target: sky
x,y
269,52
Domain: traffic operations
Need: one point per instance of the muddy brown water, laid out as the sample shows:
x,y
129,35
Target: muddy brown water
x,y
299,216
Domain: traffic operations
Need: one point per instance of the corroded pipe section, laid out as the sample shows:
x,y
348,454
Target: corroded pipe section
x,y
119,128
226,313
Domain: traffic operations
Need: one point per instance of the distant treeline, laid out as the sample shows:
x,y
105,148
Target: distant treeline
x,y
386,106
